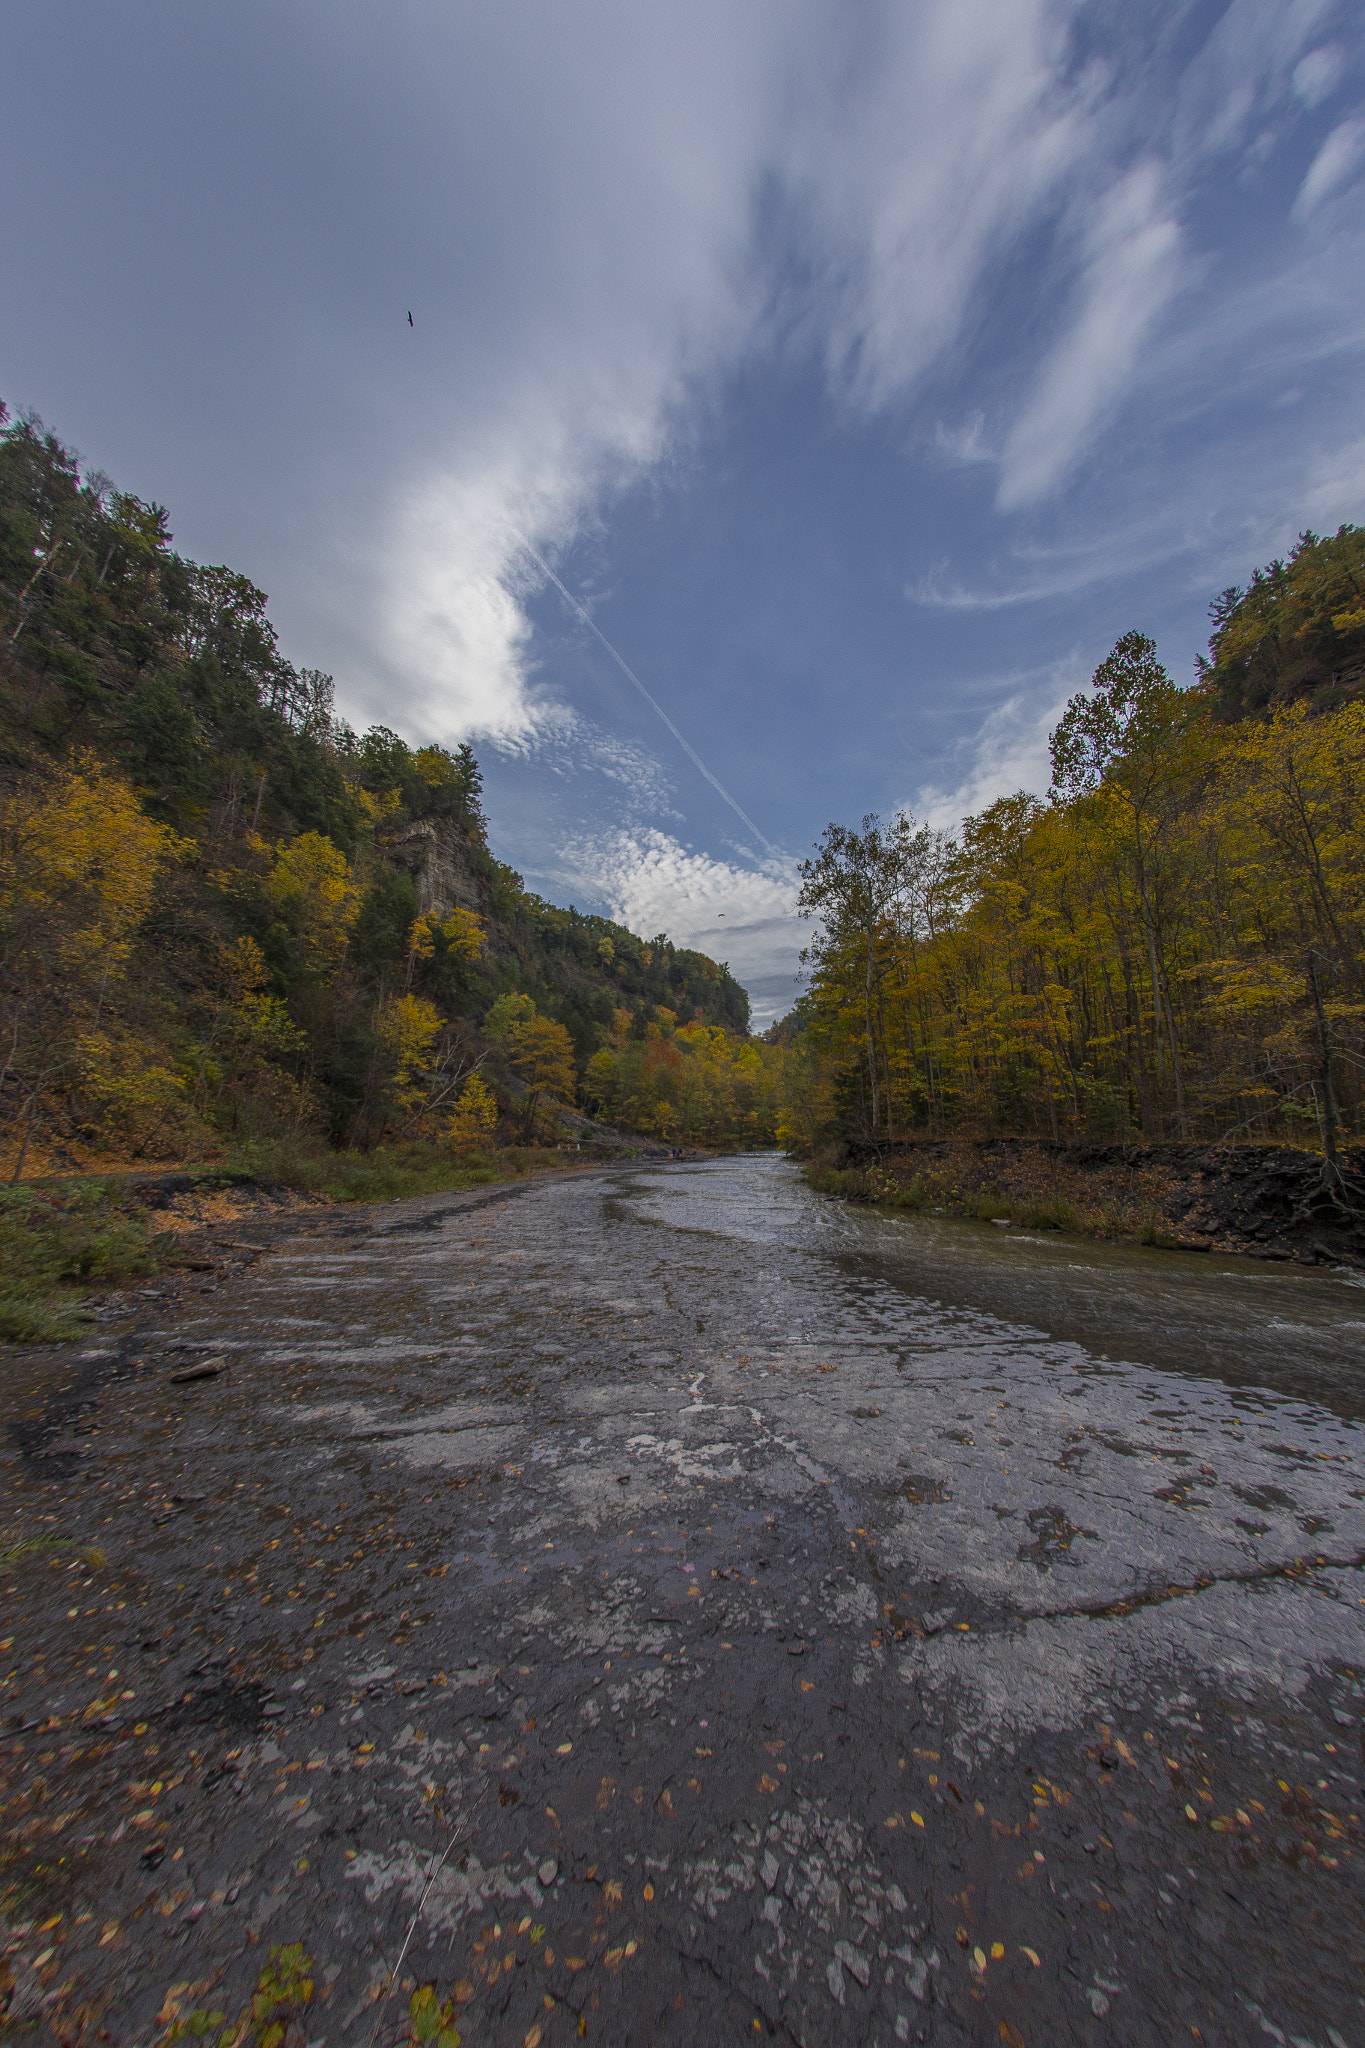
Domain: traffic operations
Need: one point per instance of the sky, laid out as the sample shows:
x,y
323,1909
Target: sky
x,y
799,397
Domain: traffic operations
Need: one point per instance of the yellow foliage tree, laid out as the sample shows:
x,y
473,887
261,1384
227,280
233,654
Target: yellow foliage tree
x,y
463,932
313,889
79,861
405,1030
475,1116
540,1052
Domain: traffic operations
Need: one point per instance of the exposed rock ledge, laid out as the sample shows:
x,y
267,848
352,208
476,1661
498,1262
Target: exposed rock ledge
x,y
1271,1201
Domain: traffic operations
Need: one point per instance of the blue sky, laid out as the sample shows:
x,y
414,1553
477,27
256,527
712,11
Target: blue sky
x,y
863,370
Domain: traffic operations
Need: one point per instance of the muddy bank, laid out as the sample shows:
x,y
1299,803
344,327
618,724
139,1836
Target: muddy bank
x,y
1269,1201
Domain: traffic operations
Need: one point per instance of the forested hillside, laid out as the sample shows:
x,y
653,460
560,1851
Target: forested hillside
x,y
227,919
1172,945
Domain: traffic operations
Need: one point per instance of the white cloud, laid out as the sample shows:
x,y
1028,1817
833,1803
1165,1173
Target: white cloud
x,y
1236,80
1332,167
1009,750
651,882
610,209
1316,75
1132,271
924,151
1335,493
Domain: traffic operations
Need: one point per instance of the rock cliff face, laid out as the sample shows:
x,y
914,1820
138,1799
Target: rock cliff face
x,y
440,858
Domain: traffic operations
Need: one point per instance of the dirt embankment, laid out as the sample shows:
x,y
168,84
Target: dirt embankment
x,y
1270,1201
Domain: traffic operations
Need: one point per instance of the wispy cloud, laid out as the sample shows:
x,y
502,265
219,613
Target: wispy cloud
x,y
1132,271
1333,167
913,149
1009,749
652,882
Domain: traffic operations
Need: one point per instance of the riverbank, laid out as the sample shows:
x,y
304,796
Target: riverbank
x,y
76,1249
1266,1201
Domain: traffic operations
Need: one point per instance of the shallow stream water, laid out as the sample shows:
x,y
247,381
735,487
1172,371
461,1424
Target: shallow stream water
x,y
1294,1334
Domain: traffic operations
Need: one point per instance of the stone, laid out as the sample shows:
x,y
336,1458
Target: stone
x,y
547,1872
853,1959
206,1369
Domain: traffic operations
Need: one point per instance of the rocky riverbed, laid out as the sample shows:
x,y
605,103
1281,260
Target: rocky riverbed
x,y
664,1607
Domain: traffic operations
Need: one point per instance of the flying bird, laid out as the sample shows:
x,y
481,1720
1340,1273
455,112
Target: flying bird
x,y
409,319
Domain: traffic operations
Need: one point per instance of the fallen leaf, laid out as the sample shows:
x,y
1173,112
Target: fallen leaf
x,y
1033,1957
1011,2036
808,1685
1190,1814
574,1963
979,1958
533,2036
611,1891
917,1818
564,1749
767,1784
997,1951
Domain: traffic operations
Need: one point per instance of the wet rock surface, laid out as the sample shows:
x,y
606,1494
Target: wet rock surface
x,y
647,1609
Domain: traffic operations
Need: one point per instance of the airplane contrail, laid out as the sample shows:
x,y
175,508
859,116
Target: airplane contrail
x,y
693,756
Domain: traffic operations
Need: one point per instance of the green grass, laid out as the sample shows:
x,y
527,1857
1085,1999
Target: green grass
x,y
39,1546
390,1172
854,1184
62,1240
1051,1215
56,1244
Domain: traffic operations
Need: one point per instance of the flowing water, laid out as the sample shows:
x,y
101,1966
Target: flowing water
x,y
1294,1334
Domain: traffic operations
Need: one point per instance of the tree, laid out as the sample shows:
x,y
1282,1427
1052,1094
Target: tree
x,y
79,861
848,884
1296,631
540,1053
311,886
1130,751
475,1116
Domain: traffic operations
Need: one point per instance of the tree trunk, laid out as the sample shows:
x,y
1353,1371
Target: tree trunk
x,y
871,1040
1331,1167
